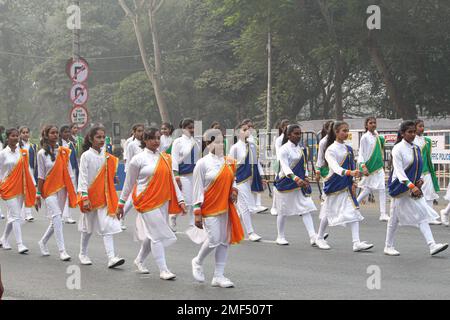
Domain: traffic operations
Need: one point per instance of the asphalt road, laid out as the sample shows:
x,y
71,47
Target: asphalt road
x,y
260,271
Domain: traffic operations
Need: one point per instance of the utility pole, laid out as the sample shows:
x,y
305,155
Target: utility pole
x,y
269,80
76,39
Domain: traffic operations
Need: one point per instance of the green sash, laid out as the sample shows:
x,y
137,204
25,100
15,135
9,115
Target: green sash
x,y
428,166
375,161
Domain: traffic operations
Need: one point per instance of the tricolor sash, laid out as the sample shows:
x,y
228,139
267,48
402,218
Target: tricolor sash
x,y
375,161
20,182
217,200
413,173
59,178
249,169
102,191
188,168
159,189
287,184
337,183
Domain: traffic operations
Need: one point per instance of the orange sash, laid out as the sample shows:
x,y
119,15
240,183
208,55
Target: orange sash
x,y
19,182
159,189
59,178
217,200
102,191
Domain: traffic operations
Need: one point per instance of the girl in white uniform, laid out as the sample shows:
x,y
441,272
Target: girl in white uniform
x,y
17,187
249,172
64,141
151,183
52,187
430,183
2,216
185,154
292,189
321,165
24,143
215,193
370,160
277,145
97,172
409,205
445,212
133,147
340,207
166,138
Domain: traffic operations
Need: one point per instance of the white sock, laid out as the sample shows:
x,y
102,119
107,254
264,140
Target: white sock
x,y
221,259
59,236
84,243
159,255
426,231
382,195
7,231
281,223
322,227
309,224
144,251
17,231
205,250
355,231
108,241
390,233
246,218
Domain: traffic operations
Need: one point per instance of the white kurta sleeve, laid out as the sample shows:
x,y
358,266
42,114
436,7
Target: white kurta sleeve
x,y
321,155
199,185
130,179
175,155
332,162
284,161
397,162
83,184
363,145
41,165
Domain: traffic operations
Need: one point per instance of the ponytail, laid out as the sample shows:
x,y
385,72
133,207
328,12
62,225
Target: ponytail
x,y
90,136
289,129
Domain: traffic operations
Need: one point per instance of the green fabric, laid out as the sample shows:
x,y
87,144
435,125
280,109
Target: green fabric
x,y
428,166
376,159
79,145
324,171
169,150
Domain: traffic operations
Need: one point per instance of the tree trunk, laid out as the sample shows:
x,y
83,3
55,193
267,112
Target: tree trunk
x,y
338,87
396,99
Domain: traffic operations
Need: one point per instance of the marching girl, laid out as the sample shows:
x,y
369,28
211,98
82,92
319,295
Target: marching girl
x,y
55,186
185,153
409,206
99,199
430,183
155,194
248,177
2,144
133,147
321,165
292,189
65,141
370,160
166,138
215,193
340,207
24,143
277,145
17,187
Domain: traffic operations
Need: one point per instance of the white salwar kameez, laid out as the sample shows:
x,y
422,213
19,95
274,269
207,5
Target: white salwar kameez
x,y
246,200
277,146
67,213
427,188
133,149
338,208
166,142
27,211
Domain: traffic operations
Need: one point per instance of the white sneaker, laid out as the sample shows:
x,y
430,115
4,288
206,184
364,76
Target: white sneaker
x,y
254,237
322,244
222,282
273,211
444,217
70,221
261,209
390,251
122,225
5,244
384,217
84,260
141,268
29,218
2,216
435,248
44,249
362,246
115,262
197,271
435,222
22,249
173,223
167,275
64,256
282,242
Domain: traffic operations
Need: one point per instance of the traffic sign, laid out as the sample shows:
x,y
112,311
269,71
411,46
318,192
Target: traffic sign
x,y
77,70
80,116
79,94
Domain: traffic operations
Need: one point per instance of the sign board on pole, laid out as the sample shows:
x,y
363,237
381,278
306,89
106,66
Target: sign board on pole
x,y
390,139
79,94
77,70
79,115
440,156
437,142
